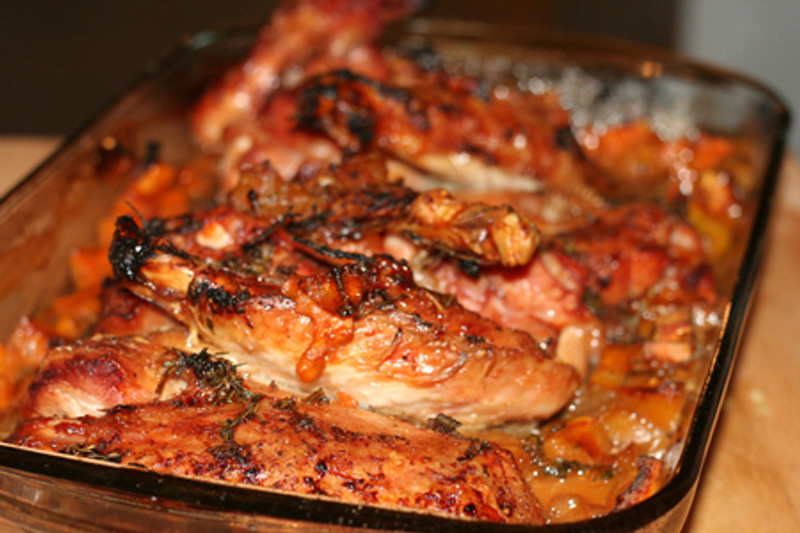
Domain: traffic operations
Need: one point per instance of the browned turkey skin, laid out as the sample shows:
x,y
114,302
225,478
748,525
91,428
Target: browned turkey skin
x,y
349,206
434,121
93,375
625,260
218,427
303,37
363,328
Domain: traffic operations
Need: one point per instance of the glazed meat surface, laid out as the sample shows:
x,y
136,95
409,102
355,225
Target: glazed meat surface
x,y
449,126
93,375
303,36
364,329
219,428
354,205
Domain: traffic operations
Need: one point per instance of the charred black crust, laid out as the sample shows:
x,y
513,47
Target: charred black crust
x,y
362,126
129,250
470,268
357,113
219,299
132,246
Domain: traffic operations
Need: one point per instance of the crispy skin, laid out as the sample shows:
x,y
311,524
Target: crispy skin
x,y
303,37
357,200
449,126
641,252
363,328
92,375
267,438
123,314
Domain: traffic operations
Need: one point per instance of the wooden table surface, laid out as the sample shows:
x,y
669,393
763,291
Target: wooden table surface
x,y
751,480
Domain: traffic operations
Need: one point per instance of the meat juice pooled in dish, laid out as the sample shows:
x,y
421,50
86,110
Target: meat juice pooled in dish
x,y
413,290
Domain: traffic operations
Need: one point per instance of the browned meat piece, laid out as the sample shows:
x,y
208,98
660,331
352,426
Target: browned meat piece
x,y
543,298
303,37
218,428
619,255
432,124
450,129
327,204
122,313
588,282
92,375
639,251
341,205
363,328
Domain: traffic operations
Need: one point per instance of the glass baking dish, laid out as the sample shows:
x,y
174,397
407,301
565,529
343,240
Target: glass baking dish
x,y
57,206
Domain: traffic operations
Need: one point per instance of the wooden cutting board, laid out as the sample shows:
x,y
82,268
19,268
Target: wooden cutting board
x,y
751,480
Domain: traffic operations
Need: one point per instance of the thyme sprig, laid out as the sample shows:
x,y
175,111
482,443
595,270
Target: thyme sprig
x,y
90,451
212,372
221,378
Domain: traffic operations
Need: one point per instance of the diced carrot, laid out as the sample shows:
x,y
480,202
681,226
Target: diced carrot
x,y
75,312
709,152
581,439
662,405
615,363
89,266
621,140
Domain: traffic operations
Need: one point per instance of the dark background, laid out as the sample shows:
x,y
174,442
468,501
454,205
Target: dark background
x,y
62,61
